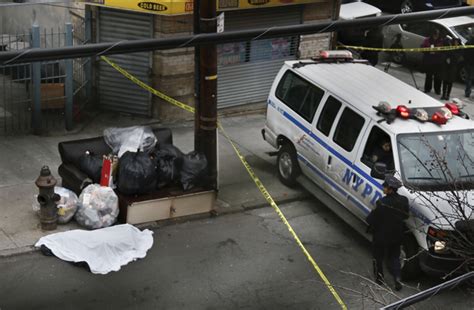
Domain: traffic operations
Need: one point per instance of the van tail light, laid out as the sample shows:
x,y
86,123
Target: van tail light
x,y
453,108
439,118
403,111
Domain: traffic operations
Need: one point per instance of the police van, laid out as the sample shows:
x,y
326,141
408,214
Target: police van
x,y
340,125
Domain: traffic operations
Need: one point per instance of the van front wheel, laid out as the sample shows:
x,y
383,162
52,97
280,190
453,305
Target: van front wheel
x,y
287,164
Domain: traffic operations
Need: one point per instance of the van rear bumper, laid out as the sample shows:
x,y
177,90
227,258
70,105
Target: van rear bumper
x,y
270,137
439,265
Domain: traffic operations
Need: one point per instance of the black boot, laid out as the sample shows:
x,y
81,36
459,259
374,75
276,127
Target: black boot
x,y
398,284
378,275
379,279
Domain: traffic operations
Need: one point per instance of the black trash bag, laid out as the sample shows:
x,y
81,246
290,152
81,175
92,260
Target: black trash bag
x,y
194,170
91,165
136,174
168,159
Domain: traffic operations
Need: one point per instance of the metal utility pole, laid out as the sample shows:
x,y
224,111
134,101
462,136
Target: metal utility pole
x,y
206,108
197,65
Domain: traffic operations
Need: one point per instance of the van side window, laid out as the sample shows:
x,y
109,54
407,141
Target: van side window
x,y
299,95
348,129
329,113
378,149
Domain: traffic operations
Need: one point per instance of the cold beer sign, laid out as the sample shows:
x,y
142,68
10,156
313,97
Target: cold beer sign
x,y
177,7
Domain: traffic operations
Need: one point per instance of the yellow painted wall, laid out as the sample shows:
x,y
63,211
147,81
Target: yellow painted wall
x,y
176,7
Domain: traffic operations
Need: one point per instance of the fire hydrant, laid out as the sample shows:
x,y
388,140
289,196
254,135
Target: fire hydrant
x,y
47,199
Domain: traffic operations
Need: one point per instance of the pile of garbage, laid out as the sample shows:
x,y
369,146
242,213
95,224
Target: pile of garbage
x,y
141,165
96,207
138,165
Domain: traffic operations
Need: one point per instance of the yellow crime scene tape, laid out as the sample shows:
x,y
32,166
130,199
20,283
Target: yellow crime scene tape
x,y
408,50
250,171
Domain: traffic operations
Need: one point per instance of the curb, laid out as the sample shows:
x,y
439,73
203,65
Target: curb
x,y
218,211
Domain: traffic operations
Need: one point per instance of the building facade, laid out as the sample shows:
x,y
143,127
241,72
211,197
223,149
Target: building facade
x,y
245,69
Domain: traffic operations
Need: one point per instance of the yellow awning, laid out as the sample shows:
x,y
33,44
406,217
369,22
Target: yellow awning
x,y
175,7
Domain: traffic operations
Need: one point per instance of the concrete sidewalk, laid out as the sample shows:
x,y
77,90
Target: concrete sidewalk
x,y
23,156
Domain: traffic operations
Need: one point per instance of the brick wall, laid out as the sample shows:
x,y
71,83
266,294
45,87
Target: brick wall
x,y
173,70
310,45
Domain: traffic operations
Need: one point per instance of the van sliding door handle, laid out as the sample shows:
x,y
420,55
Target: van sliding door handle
x,y
329,160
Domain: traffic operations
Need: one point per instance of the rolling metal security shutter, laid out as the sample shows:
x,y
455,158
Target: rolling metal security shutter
x,y
116,92
248,76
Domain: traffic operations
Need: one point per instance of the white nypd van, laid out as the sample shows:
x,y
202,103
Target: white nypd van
x,y
330,115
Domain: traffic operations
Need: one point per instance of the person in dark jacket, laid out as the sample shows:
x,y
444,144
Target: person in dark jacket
x,y
450,67
373,38
386,222
383,154
469,63
431,62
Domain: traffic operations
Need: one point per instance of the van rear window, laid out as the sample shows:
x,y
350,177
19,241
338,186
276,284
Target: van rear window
x,y
299,95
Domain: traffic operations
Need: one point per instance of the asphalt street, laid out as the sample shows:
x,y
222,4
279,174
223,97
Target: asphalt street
x,y
238,261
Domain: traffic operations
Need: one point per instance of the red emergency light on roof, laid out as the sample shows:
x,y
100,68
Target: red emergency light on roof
x,y
439,118
453,108
341,54
403,111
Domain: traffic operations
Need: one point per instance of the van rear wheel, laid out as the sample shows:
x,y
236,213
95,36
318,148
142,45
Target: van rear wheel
x,y
409,258
287,164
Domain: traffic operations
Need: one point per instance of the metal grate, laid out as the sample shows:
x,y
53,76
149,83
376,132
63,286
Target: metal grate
x,y
252,65
34,95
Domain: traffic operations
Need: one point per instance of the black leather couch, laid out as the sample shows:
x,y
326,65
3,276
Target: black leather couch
x,y
70,151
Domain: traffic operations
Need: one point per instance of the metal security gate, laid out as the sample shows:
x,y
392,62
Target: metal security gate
x,y
117,93
41,97
247,69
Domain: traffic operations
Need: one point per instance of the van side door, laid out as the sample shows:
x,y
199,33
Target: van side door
x,y
371,151
344,140
315,162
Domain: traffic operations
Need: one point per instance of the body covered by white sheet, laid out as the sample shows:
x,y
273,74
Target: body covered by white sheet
x,y
104,250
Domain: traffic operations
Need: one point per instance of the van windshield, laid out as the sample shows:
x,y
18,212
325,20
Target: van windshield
x,y
437,161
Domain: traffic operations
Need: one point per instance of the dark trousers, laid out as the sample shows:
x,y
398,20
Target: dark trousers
x,y
432,74
447,89
469,78
392,252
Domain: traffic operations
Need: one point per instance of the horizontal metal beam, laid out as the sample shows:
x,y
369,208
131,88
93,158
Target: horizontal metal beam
x,y
406,302
130,46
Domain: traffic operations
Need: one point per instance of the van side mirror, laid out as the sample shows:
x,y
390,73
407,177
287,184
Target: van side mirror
x,y
378,170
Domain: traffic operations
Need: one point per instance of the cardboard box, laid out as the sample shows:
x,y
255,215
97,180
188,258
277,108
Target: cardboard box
x,y
52,96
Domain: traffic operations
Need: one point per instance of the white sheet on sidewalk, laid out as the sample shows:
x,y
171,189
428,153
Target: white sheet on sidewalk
x,y
104,250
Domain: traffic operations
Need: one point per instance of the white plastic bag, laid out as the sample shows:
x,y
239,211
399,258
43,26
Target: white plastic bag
x,y
67,205
98,207
130,139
